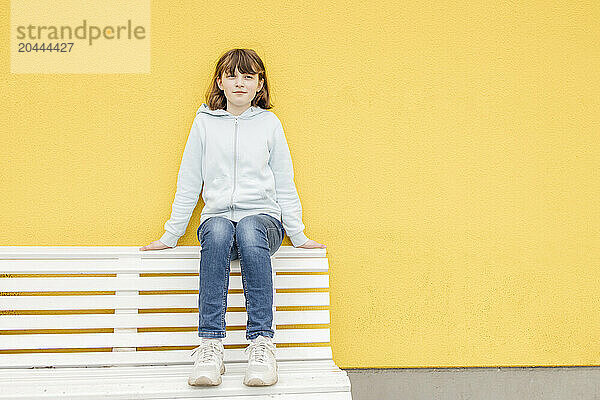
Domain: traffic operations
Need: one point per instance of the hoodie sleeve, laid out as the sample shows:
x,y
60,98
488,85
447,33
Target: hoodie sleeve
x,y
280,162
189,186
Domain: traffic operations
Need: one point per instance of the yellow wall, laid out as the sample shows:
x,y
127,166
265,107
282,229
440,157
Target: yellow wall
x,y
447,154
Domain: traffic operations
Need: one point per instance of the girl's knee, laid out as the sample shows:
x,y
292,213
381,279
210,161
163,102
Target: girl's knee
x,y
252,231
217,228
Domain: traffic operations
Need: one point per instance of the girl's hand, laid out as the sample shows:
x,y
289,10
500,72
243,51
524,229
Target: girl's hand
x,y
156,245
311,244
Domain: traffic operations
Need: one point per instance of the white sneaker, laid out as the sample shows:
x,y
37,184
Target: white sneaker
x,y
208,366
262,366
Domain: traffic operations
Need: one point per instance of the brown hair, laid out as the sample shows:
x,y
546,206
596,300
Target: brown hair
x,y
247,62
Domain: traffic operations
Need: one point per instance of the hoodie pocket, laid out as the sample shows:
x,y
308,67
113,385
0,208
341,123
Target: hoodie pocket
x,y
261,190
215,192
250,193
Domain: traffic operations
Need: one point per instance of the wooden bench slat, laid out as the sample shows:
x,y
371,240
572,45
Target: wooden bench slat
x,y
100,252
192,265
162,382
184,265
149,320
98,340
182,259
233,366
288,396
11,363
52,284
103,302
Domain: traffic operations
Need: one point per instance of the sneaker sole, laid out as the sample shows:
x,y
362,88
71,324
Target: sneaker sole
x,y
258,381
204,380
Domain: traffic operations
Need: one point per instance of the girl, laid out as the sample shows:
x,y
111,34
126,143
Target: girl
x,y
237,150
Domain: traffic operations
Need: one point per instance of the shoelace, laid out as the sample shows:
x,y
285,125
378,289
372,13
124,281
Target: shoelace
x,y
258,351
208,351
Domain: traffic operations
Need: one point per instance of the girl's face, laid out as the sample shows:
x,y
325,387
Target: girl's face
x,y
239,89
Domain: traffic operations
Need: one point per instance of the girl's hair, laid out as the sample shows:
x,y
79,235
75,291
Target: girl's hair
x,y
247,62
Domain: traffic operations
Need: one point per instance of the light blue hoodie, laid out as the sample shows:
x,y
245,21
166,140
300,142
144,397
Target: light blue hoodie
x,y
245,166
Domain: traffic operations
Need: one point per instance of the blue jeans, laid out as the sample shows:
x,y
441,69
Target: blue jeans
x,y
253,239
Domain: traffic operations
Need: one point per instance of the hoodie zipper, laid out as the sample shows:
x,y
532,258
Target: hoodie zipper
x,y
234,165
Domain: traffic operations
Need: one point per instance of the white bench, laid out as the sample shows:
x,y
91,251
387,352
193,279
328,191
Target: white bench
x,y
119,323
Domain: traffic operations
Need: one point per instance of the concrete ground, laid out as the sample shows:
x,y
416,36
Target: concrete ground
x,y
568,383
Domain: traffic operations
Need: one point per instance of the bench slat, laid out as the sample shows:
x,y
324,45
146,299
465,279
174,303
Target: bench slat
x,y
11,364
142,339
344,395
99,252
89,302
139,264
149,320
233,366
52,284
165,382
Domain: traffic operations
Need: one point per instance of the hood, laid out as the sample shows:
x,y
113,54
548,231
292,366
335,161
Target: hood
x,y
249,113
